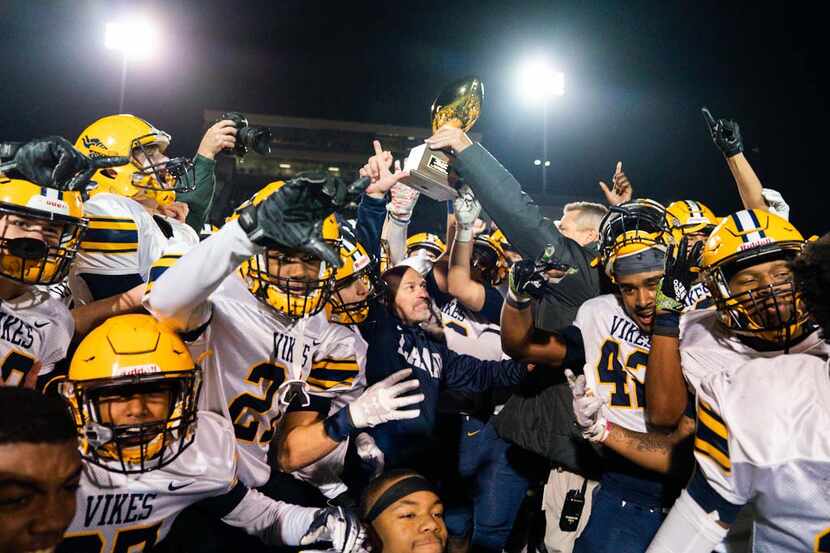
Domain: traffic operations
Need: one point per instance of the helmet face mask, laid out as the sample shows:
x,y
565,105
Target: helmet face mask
x,y
285,282
158,175
135,447
294,284
38,244
133,391
356,285
149,174
746,268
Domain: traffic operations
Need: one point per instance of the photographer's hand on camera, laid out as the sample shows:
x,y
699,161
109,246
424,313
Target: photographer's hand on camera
x,y
292,217
220,136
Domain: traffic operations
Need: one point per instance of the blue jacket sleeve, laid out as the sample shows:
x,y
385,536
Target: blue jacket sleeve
x,y
371,213
470,374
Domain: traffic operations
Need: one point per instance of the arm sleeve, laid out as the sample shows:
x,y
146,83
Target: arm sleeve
x,y
501,196
371,213
468,373
274,522
712,445
396,238
200,200
179,296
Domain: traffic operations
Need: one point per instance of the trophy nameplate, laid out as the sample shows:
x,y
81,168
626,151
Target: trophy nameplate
x,y
459,104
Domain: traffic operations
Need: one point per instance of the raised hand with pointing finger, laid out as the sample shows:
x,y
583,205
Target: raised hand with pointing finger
x,y
620,190
726,134
378,170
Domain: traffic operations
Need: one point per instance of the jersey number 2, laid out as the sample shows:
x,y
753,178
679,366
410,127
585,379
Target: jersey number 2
x,y
246,406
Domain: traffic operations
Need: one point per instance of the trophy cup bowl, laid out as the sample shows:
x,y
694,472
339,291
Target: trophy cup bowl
x,y
458,104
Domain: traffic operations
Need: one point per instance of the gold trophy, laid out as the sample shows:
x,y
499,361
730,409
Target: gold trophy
x,y
459,104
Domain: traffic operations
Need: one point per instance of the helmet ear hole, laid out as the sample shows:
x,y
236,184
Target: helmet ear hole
x,y
109,173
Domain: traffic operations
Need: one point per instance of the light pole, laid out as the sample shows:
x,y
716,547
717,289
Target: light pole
x,y
539,83
136,39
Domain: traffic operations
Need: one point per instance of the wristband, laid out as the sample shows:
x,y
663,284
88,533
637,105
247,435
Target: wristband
x,y
667,324
339,426
464,234
517,302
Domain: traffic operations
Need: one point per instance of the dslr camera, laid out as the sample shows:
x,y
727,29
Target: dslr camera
x,y
248,137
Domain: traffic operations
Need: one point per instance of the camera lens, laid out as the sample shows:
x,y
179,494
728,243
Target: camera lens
x,y
257,139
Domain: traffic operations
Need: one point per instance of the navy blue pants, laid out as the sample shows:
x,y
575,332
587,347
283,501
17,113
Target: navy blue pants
x,y
490,490
618,526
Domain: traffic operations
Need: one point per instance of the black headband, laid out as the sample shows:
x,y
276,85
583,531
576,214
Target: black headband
x,y
399,490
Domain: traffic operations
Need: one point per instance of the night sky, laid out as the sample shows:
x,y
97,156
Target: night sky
x,y
637,74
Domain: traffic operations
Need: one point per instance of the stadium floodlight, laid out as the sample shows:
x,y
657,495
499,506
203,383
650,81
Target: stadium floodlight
x,y
135,38
539,82
537,162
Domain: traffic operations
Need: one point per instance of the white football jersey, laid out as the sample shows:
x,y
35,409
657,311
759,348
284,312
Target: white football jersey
x,y
762,437
707,347
470,333
326,381
697,293
119,512
616,355
251,352
34,328
123,239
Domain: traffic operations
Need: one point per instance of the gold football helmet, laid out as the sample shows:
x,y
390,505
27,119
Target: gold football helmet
x,y
128,356
433,245
691,218
129,136
772,311
360,271
29,255
291,296
632,227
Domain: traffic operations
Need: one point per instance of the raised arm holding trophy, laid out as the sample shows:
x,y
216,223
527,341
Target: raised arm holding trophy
x,y
459,105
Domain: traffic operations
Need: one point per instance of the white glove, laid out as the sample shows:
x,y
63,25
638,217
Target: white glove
x,y
370,453
588,409
775,202
402,203
340,527
466,209
380,402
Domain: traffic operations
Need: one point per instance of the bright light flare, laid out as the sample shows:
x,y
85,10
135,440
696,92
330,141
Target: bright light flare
x,y
136,38
538,81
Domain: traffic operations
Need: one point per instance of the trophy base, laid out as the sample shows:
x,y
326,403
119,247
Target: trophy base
x,y
429,173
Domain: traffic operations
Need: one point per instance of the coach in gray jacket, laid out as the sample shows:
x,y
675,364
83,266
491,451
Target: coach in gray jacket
x,y
539,417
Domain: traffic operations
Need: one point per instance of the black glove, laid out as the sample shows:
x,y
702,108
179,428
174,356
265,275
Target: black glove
x,y
725,133
54,162
292,217
682,267
528,279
